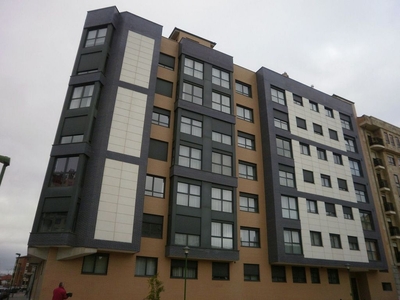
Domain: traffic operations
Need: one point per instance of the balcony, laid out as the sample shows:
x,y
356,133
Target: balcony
x,y
394,232
376,143
378,164
389,208
383,185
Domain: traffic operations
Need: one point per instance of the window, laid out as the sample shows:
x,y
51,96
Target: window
x,y
348,213
335,241
189,157
244,113
221,138
221,235
68,139
96,37
328,112
146,266
192,93
193,68
308,176
316,238
220,77
64,171
248,202
191,126
299,274
391,160
321,154
278,273
337,159
160,117
345,121
326,180
386,286
221,103
301,123
289,207
297,100
188,195
398,142
314,106
185,239
152,226
281,120
221,200
53,222
249,237
158,150
286,176
304,149
154,186
366,220
333,276
355,167
386,138
178,269
164,87
361,193
318,129
292,241
312,206
350,144
330,209
333,134
314,272
278,96
243,89
166,61
283,147
342,184
220,271
81,96
372,250
353,243
251,272
246,140
396,180
95,264
247,171
221,164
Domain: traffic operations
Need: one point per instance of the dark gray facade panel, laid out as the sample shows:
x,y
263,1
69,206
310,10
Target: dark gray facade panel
x,y
102,16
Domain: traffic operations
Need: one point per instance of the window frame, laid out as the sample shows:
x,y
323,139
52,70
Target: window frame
x,y
64,171
99,38
251,272
318,129
152,226
284,172
226,241
222,203
290,207
308,176
97,257
188,197
146,260
301,123
244,113
191,126
291,245
326,181
81,96
284,147
310,208
221,166
336,242
154,192
183,269
246,234
192,159
191,68
246,198
321,153
221,102
240,88
251,170
276,98
191,93
246,141
217,78
316,239
314,106
330,209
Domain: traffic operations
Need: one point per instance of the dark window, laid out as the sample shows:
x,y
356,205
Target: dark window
x,y
278,273
220,78
386,286
321,154
192,93
312,206
164,87
301,123
353,243
342,184
318,129
314,106
283,147
297,100
328,112
337,159
247,170
64,171
326,180
81,96
158,150
333,276
348,213
330,209
316,238
221,200
350,144
308,176
221,235
53,222
221,102
289,207
69,139
314,272
346,121
286,176
278,96
95,264
372,250
281,120
185,239
96,37
178,269
146,266
191,126
292,241
244,113
335,241
221,138
154,186
221,164
220,271
366,220
166,61
152,226
160,117
361,192
355,167
193,68
188,194
246,140
299,274
251,272
249,237
248,202
189,157
333,134
243,89
304,149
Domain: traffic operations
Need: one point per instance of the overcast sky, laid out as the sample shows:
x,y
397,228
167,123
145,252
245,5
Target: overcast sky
x,y
348,48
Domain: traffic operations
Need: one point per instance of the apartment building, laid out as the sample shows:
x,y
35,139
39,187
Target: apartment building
x,y
169,159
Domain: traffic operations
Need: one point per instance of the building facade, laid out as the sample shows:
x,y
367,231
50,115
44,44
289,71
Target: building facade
x,y
165,143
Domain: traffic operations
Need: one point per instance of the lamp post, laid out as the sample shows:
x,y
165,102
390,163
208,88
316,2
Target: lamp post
x,y
186,249
13,277
5,160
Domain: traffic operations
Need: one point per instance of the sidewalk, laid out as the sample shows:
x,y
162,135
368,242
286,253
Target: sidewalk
x,y
18,296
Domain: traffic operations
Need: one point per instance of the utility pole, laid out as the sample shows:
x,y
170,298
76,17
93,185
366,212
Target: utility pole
x,y
5,160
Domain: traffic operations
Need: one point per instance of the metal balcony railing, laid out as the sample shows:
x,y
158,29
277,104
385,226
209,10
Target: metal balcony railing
x,y
389,206
378,162
394,231
375,141
383,184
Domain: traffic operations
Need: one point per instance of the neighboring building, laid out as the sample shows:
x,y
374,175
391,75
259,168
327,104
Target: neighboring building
x,y
381,142
165,143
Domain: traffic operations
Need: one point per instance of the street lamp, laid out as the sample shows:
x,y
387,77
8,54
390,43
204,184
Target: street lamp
x,y
5,160
13,277
186,249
